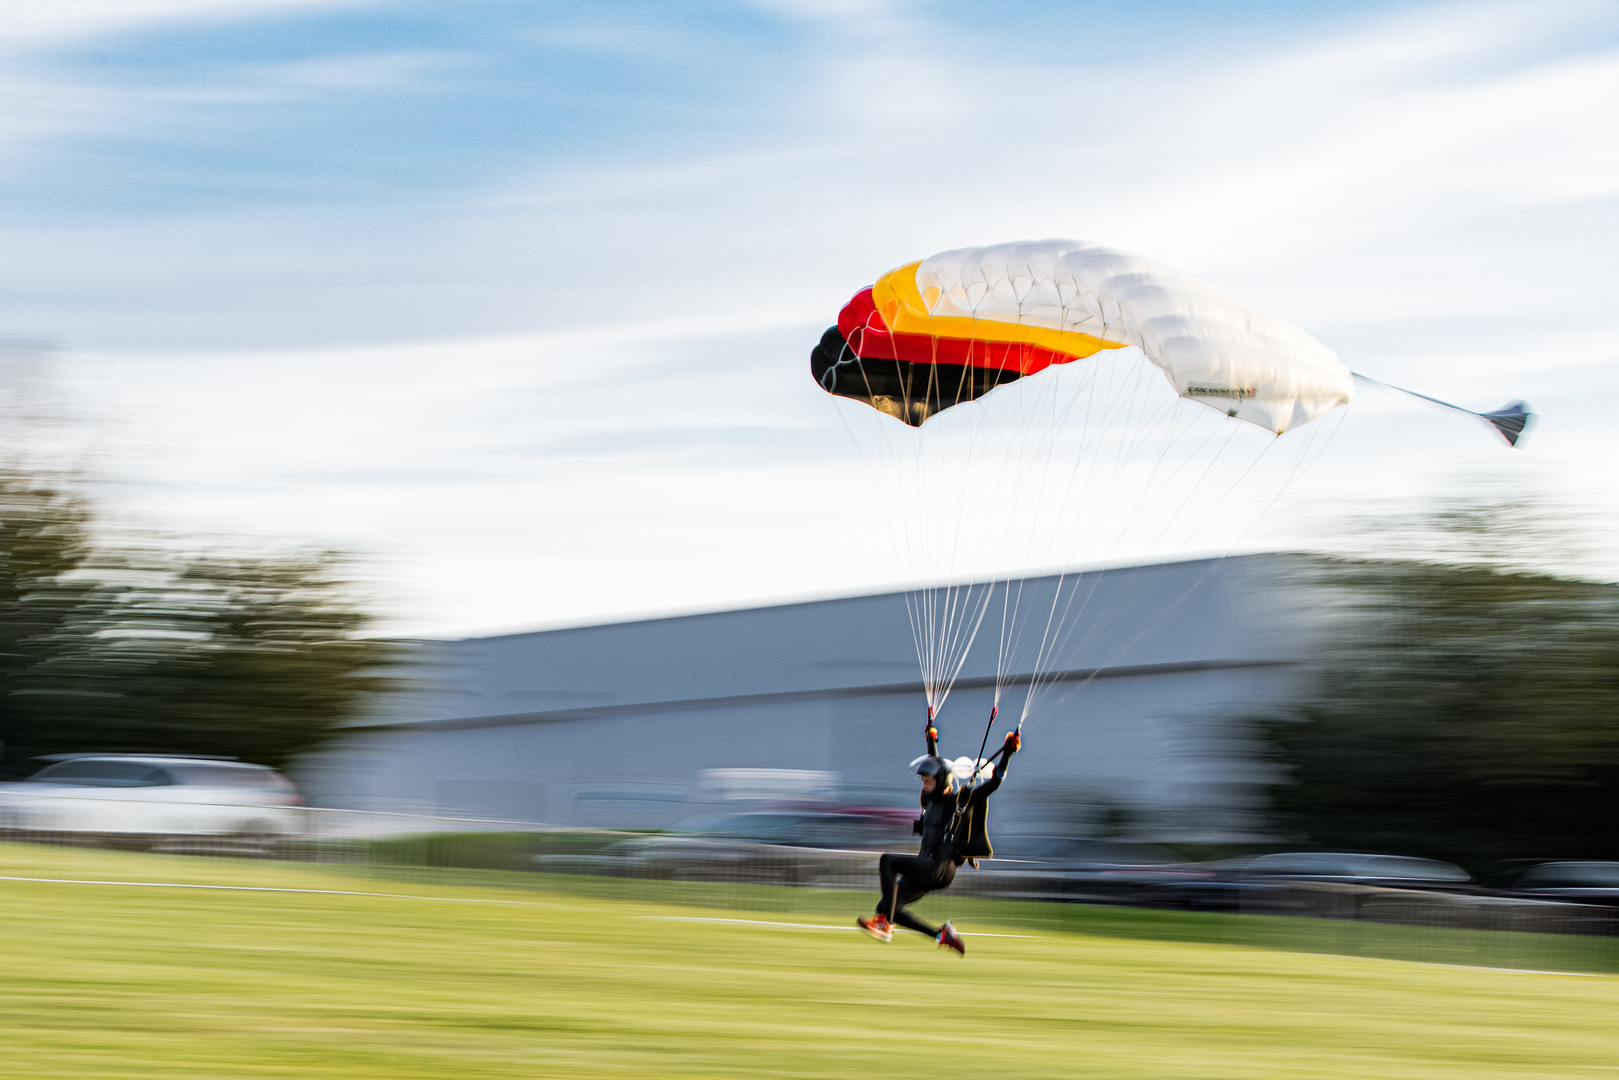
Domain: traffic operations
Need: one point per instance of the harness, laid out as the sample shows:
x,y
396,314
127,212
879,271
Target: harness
x,y
968,831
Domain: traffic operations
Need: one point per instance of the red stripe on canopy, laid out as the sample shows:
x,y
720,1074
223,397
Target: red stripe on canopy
x,y
863,327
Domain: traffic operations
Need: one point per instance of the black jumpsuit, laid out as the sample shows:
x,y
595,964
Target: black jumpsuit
x,y
908,878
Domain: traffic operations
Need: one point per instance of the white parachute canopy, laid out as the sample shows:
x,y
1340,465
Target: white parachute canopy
x,y
1216,349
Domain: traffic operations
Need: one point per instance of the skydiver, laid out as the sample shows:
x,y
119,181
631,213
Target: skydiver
x,y
953,830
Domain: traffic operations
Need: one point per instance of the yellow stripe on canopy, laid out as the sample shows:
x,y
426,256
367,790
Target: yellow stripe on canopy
x,y
905,310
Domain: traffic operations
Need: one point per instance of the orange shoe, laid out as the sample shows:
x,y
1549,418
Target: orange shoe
x,y
878,927
949,939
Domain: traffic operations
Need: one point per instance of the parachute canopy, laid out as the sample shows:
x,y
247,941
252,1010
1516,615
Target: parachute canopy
x,y
951,328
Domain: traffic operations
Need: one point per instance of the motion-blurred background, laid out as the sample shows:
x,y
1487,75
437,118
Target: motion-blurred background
x,y
408,456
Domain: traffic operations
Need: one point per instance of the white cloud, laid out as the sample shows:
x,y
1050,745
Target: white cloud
x,y
1439,213
49,105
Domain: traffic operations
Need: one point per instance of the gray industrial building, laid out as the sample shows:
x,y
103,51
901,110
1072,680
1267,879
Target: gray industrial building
x,y
637,724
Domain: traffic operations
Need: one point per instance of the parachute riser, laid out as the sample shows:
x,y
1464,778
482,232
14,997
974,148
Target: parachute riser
x,y
994,711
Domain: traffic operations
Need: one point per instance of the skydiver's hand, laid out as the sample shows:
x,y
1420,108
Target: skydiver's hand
x,y
1014,742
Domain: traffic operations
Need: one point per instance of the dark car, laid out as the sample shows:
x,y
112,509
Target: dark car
x,y
1283,881
1571,882
1074,869
858,829
781,847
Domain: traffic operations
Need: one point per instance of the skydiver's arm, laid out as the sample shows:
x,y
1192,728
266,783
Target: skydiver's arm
x,y
988,788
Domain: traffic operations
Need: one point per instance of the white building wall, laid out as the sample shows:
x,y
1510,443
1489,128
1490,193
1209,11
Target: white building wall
x,y
618,724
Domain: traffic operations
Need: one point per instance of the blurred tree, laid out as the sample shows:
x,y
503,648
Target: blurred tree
x,y
1468,710
43,599
146,648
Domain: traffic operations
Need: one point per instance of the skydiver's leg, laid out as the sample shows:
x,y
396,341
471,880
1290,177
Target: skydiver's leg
x,y
906,879
911,922
898,875
889,868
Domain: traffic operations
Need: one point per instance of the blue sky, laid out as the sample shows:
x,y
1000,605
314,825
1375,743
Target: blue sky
x,y
453,284
352,105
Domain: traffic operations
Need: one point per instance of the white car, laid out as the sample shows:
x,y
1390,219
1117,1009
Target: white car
x,y
147,800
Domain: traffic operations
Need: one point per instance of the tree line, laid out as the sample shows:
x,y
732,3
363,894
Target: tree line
x,y
1466,709
145,646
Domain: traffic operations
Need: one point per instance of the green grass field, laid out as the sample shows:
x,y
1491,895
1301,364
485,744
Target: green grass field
x,y
572,979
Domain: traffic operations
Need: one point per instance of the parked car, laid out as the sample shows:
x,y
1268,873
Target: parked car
x,y
1572,882
1074,869
1274,882
147,800
857,829
784,847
